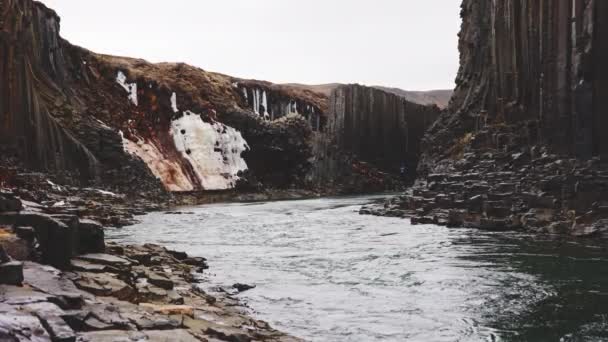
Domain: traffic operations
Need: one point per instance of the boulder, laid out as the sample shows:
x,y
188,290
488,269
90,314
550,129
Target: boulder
x,y
8,203
11,273
243,287
91,237
26,233
58,241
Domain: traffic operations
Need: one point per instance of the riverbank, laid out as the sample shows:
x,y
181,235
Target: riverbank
x,y
61,281
531,190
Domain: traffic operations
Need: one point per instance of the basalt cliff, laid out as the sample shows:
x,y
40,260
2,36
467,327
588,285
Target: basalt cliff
x,y
126,124
521,144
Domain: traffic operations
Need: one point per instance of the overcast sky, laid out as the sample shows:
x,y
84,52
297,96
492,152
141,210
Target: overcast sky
x,y
410,44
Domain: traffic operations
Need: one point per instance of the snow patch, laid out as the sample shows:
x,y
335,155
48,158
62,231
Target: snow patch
x,y
131,88
174,103
213,149
265,105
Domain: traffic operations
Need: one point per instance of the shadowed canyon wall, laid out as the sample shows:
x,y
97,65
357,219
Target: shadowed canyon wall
x,y
541,65
378,127
32,74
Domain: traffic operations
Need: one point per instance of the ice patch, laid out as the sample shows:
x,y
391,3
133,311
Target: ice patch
x,y
54,186
174,103
213,150
256,101
265,105
131,88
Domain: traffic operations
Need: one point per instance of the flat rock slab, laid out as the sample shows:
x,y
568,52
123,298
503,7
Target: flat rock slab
x,y
185,310
177,335
51,281
85,266
105,284
20,328
14,295
105,259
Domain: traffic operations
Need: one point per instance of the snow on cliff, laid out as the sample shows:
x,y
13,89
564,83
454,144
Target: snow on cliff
x,y
213,150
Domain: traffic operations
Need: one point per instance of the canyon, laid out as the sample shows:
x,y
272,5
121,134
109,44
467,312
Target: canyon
x,y
91,141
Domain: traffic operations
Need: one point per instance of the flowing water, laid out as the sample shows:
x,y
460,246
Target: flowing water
x,y
325,273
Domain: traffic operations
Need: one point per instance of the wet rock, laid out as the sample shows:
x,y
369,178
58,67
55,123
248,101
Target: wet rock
x,y
91,237
178,255
243,287
11,273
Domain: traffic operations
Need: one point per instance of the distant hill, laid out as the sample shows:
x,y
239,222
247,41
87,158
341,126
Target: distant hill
x,y
441,98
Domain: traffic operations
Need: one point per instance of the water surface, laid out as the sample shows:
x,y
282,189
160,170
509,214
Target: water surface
x,y
325,273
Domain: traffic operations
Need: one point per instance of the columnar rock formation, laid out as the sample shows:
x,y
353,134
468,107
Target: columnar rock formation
x,y
34,74
543,63
521,145
377,126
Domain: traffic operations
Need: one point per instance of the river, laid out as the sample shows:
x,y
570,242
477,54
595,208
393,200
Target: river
x,y
325,273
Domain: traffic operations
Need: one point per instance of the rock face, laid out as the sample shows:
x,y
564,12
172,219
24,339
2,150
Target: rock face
x,y
521,144
542,65
378,127
130,123
145,128
33,73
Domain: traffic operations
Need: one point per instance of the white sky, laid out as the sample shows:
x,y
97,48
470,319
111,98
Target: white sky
x,y
410,44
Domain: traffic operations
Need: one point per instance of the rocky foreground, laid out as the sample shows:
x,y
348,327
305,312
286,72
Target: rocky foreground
x,y
60,281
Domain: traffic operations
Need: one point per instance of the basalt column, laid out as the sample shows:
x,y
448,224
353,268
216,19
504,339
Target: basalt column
x,y
32,71
378,127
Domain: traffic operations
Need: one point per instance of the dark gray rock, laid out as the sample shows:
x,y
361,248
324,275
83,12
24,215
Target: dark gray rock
x,y
58,241
17,327
91,237
9,203
11,273
243,287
